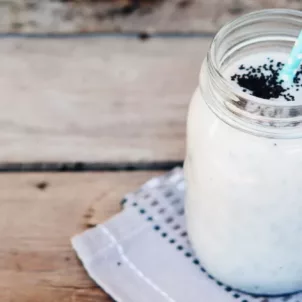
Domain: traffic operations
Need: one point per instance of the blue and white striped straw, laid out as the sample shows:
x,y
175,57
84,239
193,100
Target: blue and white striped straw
x,y
290,69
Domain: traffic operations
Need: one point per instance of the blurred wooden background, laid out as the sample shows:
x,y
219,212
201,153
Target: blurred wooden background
x,y
116,91
69,16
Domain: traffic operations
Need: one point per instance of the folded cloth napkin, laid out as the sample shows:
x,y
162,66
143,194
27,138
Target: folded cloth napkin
x,y
143,253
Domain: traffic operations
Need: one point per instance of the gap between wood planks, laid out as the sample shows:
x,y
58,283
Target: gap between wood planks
x,y
130,34
88,167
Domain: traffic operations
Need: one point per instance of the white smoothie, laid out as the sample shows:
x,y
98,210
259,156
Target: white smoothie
x,y
244,198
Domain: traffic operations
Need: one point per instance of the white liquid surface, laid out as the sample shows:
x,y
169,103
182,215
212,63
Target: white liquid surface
x,y
259,60
244,201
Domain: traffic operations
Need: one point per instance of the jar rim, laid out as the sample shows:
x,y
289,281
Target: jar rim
x,y
241,21
268,29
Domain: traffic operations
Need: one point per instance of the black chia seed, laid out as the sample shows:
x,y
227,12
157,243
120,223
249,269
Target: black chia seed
x,y
262,81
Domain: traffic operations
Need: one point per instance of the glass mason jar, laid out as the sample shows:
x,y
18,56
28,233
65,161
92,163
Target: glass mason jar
x,y
244,165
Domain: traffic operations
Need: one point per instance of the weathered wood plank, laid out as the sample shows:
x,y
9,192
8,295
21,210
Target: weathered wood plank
x,y
38,215
96,99
130,15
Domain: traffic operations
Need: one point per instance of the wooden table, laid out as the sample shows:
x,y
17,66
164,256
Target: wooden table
x,y
115,105
84,120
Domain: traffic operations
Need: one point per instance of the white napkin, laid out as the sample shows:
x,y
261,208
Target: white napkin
x,y
143,254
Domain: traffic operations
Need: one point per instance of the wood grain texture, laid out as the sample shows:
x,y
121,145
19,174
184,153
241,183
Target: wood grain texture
x,y
38,215
96,99
36,16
